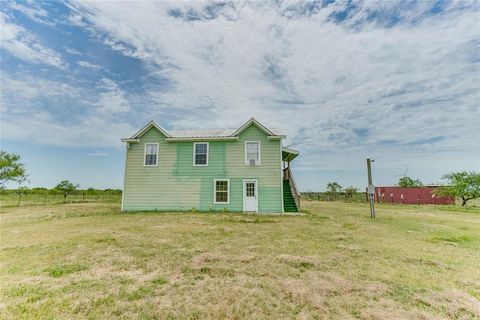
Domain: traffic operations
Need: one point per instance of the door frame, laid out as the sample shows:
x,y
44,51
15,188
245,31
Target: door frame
x,y
244,193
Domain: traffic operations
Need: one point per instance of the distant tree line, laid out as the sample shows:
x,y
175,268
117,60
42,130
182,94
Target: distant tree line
x,y
334,192
65,190
12,170
464,185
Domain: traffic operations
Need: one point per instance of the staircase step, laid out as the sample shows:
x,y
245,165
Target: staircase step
x,y
289,204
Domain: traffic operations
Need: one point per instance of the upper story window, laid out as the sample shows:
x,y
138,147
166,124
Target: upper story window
x,y
252,153
200,154
151,154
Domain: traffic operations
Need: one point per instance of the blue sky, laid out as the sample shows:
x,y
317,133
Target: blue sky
x,y
397,81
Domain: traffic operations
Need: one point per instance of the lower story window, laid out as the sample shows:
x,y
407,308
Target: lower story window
x,y
222,191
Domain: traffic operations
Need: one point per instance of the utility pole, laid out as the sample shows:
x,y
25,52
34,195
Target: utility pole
x,y
371,189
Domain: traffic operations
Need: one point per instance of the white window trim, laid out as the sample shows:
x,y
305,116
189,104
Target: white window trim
x,y
259,153
145,155
195,149
215,191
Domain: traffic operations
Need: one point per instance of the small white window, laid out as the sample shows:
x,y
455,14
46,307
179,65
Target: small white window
x,y
252,153
221,191
200,154
151,154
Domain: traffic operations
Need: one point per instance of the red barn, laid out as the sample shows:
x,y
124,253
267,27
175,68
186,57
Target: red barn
x,y
421,195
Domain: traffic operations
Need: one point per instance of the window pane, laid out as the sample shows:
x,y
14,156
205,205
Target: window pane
x,y
151,149
221,197
201,159
150,159
201,148
250,188
222,186
252,151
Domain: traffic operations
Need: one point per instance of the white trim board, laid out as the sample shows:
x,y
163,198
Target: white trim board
x,y
255,122
149,125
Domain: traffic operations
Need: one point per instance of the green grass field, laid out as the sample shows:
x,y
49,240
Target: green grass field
x,y
88,260
12,199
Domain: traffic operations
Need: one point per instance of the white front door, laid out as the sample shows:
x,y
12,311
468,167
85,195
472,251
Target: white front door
x,y
250,195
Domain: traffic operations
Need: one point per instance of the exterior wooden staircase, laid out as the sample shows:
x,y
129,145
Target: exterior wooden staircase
x,y
291,196
288,200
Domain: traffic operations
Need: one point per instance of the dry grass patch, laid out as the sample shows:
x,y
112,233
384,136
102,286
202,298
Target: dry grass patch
x,y
80,261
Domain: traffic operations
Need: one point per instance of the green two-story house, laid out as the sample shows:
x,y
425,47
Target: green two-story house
x,y
244,169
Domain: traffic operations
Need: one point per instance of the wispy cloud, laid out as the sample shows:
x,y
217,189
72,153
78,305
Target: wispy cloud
x,y
24,45
98,154
231,62
33,12
112,100
90,120
88,65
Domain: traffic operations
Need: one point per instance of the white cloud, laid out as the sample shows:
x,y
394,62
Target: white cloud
x,y
88,65
73,116
98,154
73,51
24,45
405,92
33,12
76,20
112,100
414,80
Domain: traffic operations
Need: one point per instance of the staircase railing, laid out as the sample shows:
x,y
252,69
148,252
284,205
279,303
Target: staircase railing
x,y
287,174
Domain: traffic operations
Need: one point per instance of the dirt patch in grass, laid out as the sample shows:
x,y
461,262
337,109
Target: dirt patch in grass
x,y
455,304
246,219
427,262
385,308
299,262
216,258
453,239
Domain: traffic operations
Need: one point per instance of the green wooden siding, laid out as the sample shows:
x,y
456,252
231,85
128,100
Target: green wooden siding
x,y
176,184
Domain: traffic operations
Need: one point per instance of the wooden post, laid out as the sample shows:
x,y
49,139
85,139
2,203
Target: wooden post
x,y
371,194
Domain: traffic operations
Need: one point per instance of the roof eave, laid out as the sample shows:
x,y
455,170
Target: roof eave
x,y
149,125
290,154
278,137
258,124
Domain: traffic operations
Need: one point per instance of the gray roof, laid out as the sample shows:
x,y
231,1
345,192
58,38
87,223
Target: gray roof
x,y
209,133
201,133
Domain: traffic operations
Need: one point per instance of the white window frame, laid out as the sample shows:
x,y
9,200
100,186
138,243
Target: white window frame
x,y
247,163
145,155
194,153
215,191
